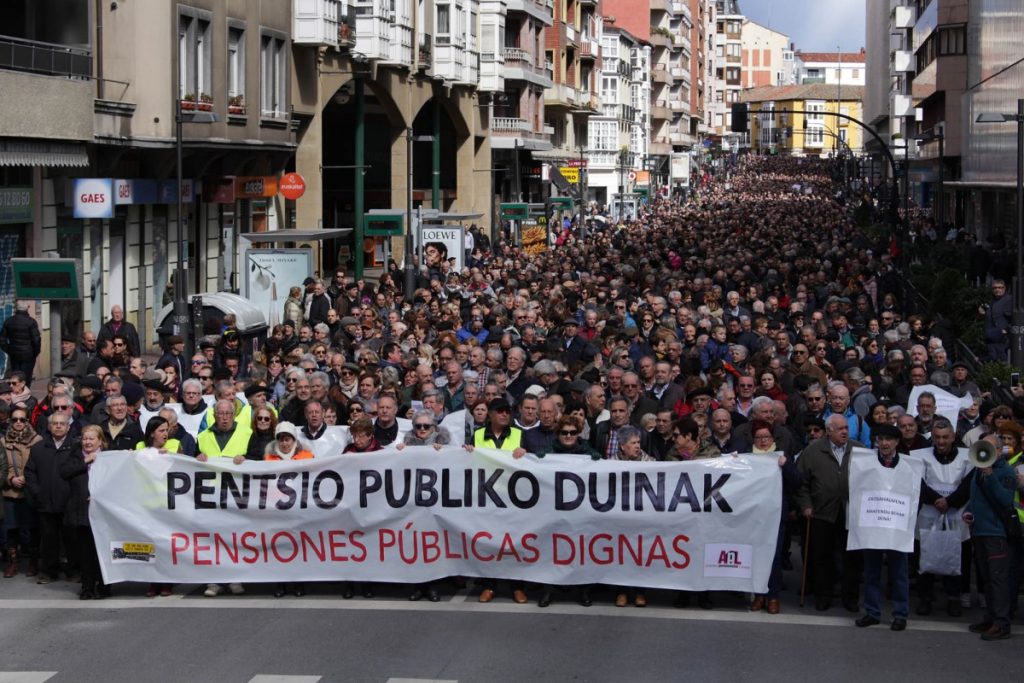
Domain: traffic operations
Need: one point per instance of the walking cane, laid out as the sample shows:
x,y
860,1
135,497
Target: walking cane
x,y
803,573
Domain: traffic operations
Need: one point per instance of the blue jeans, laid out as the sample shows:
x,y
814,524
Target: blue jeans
x,y
899,577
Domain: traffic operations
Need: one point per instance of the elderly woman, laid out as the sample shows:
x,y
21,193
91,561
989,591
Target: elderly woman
x,y
630,449
73,467
425,432
764,444
293,309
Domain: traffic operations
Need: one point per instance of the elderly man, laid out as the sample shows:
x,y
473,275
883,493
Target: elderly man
x,y
543,435
385,427
926,407
639,404
177,432
117,326
226,437
824,467
839,404
121,431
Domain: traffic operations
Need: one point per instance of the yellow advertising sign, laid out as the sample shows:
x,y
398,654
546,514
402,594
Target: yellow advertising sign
x,y
571,175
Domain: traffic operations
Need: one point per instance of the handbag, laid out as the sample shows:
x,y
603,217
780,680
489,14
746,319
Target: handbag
x,y
940,548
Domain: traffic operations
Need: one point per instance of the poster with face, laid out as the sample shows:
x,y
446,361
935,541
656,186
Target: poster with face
x,y
270,273
441,243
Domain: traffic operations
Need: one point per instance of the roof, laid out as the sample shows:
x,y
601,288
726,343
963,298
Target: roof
x,y
833,57
810,91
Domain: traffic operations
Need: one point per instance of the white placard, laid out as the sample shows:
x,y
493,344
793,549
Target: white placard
x,y
93,198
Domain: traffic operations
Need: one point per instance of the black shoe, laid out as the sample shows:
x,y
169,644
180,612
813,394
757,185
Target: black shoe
x,y
279,593
898,624
367,592
585,600
433,595
851,606
704,601
867,620
954,608
299,590
822,604
682,601
102,591
86,595
545,599
980,627
416,595
996,632
924,608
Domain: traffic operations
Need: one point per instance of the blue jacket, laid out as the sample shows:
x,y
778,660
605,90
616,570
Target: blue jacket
x,y
713,351
859,430
996,488
464,333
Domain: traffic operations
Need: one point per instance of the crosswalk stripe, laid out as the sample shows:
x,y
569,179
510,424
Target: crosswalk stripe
x,y
419,680
275,678
26,676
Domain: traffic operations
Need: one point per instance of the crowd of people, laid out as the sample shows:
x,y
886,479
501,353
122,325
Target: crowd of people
x,y
751,318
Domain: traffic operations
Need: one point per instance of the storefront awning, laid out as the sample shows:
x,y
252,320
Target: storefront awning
x,y
43,153
296,235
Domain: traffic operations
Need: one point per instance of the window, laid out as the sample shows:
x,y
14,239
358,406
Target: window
x,y
952,40
814,136
443,23
236,62
856,74
814,110
273,76
194,62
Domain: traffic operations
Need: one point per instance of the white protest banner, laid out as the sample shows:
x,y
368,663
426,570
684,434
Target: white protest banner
x,y
418,514
946,404
883,502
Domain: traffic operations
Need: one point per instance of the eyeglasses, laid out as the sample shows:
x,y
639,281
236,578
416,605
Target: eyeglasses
x,y
206,377
569,432
347,372
203,362
118,343
263,418
630,386
799,351
19,419
61,407
422,427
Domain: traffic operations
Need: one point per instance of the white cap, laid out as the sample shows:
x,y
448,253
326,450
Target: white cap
x,y
534,390
286,428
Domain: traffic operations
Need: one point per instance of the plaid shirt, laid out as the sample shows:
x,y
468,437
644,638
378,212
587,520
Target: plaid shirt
x,y
611,452
483,377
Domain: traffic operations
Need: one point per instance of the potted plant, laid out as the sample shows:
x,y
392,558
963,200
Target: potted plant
x,y
236,105
205,102
188,102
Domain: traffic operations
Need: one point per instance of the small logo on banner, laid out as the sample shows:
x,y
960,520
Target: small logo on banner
x,y
729,560
132,551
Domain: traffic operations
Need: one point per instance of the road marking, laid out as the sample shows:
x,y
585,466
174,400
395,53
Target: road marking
x,y
567,609
420,680
274,678
26,676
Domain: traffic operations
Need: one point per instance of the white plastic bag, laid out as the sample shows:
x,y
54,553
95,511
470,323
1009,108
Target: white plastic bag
x,y
940,548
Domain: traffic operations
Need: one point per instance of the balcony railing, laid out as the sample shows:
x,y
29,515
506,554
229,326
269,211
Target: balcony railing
x,y
516,56
50,59
506,126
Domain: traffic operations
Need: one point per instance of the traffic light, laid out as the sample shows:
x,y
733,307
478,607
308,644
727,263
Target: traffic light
x,y
739,117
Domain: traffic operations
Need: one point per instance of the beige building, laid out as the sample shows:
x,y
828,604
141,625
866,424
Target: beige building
x,y
767,57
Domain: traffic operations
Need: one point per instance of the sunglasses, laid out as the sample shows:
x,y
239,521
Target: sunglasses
x,y
568,432
205,377
423,427
19,419
203,362
61,407
263,418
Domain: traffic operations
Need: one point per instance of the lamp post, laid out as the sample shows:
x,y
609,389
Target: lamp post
x,y
410,271
180,281
1017,328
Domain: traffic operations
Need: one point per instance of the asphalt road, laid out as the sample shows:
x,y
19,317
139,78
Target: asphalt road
x,y
49,635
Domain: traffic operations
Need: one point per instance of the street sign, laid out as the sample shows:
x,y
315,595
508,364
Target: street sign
x,y
46,278
514,212
571,174
565,203
631,175
292,186
383,225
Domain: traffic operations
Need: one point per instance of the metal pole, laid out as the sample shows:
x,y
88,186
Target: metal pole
x,y
410,273
435,187
181,317
1017,330
583,198
360,183
940,201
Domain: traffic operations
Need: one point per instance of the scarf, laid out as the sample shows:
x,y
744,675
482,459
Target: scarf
x,y
286,455
21,397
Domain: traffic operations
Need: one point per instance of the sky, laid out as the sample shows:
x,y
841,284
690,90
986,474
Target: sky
x,y
814,25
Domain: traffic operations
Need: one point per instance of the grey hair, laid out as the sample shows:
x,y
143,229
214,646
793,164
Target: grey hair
x,y
192,382
627,432
427,413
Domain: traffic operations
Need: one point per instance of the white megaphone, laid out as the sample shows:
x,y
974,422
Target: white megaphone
x,y
982,454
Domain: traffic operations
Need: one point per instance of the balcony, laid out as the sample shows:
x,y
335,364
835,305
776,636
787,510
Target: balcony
x,y
321,22
660,5
679,105
373,29
561,95
48,59
660,74
904,17
659,39
679,8
902,61
520,66
541,10
679,72
660,110
901,105
588,49
512,132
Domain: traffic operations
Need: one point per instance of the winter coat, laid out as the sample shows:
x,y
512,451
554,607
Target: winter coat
x,y
14,455
19,337
127,330
293,311
72,468
47,490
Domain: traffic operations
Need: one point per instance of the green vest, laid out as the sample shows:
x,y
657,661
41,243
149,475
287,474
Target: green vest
x,y
1017,505
512,442
238,444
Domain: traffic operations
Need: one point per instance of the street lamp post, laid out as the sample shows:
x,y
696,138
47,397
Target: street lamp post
x,y
181,317
1017,328
410,271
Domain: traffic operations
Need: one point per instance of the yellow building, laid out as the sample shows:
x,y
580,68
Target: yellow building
x,y
801,119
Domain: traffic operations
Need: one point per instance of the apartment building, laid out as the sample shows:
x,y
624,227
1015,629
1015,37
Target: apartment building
x,y
797,120
767,57
728,67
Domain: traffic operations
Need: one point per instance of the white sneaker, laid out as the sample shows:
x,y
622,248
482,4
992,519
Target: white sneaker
x,y
965,600
236,588
213,590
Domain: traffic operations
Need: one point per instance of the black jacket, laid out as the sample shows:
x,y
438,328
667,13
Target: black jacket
x,y
318,309
131,336
19,337
72,468
47,490
126,439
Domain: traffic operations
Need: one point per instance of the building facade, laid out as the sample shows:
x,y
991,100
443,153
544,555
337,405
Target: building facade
x,y
767,57
798,119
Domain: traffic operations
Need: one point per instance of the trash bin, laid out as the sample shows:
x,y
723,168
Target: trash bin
x,y
250,321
